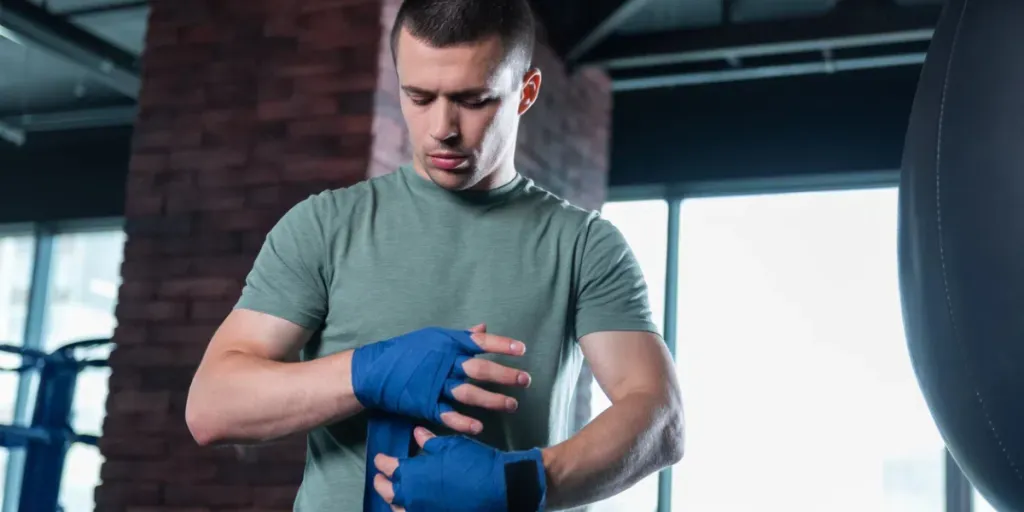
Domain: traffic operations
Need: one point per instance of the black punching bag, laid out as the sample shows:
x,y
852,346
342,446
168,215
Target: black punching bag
x,y
961,241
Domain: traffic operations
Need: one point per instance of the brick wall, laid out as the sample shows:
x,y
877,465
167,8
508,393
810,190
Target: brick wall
x,y
246,108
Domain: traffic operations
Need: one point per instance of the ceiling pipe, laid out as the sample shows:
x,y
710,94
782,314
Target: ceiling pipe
x,y
764,72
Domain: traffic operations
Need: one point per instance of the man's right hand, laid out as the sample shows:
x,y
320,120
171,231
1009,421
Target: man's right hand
x,y
418,373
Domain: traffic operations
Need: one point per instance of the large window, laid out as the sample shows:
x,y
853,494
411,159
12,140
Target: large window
x,y
58,285
787,332
792,356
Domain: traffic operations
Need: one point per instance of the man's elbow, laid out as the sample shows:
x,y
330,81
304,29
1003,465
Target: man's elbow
x,y
204,414
673,433
205,403
201,423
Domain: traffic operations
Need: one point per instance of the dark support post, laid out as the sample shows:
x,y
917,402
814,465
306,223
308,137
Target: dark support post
x,y
44,463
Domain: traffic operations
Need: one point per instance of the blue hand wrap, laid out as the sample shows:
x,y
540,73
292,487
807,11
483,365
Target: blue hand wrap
x,y
457,474
412,373
401,380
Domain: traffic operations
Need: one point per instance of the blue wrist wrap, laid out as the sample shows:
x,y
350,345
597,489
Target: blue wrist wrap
x,y
401,380
458,474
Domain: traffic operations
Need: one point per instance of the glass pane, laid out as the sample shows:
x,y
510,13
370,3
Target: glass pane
x,y
80,477
644,224
16,255
84,281
797,382
85,278
980,504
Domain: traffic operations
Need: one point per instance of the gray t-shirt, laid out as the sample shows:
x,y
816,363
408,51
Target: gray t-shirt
x,y
397,253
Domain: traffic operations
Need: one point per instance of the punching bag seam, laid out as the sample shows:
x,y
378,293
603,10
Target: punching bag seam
x,y
941,241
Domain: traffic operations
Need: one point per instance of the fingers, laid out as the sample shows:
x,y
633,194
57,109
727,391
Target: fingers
x,y
498,344
473,395
383,487
461,423
489,371
478,328
385,464
395,508
422,435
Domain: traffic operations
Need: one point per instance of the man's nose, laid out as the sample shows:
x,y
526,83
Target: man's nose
x,y
444,124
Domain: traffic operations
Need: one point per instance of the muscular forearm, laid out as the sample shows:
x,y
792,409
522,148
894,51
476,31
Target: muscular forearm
x,y
241,398
636,436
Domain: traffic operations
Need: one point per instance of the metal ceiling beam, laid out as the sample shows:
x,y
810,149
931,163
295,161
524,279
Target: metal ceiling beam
x,y
854,23
763,72
104,9
29,24
604,17
73,119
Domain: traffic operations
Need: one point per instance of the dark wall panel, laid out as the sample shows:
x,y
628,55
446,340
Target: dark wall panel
x,y
76,174
846,122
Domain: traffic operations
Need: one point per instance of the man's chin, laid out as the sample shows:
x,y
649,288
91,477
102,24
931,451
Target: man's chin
x,y
454,180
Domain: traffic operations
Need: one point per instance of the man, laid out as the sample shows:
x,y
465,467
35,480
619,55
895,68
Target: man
x,y
356,279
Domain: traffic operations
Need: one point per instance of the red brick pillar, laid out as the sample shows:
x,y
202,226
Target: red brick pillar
x,y
246,108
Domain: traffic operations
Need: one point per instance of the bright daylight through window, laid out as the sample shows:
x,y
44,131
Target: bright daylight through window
x,y
799,393
84,281
81,286
16,255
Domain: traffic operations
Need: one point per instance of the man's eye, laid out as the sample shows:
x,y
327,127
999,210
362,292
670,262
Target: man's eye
x,y
420,100
476,102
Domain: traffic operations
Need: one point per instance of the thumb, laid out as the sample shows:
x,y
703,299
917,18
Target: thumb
x,y
478,328
422,435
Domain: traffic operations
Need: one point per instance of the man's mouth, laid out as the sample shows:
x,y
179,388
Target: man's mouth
x,y
448,161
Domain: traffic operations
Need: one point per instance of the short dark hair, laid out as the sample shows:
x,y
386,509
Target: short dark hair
x,y
444,23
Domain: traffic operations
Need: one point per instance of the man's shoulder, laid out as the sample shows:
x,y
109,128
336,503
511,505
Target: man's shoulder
x,y
547,203
341,202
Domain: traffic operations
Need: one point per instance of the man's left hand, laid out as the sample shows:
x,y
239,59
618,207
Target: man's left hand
x,y
459,474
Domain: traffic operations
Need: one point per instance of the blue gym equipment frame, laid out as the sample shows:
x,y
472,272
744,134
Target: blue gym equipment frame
x,y
48,438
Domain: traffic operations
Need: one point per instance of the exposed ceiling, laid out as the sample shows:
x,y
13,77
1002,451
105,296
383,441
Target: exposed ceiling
x,y
71,63
668,43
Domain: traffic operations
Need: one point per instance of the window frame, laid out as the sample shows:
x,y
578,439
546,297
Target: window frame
x,y
43,237
958,490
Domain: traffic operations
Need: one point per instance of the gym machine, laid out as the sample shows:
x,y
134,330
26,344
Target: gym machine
x,y
49,436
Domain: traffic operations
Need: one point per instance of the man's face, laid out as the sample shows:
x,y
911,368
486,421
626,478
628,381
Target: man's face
x,y
461,105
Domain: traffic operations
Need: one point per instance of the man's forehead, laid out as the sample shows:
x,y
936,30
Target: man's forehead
x,y
478,65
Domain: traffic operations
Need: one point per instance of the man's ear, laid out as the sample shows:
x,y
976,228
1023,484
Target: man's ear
x,y
531,90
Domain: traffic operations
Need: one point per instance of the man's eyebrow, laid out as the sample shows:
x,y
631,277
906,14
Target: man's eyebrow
x,y
415,90
473,91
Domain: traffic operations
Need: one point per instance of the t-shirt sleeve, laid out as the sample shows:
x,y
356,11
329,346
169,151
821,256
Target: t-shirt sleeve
x,y
612,292
290,275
